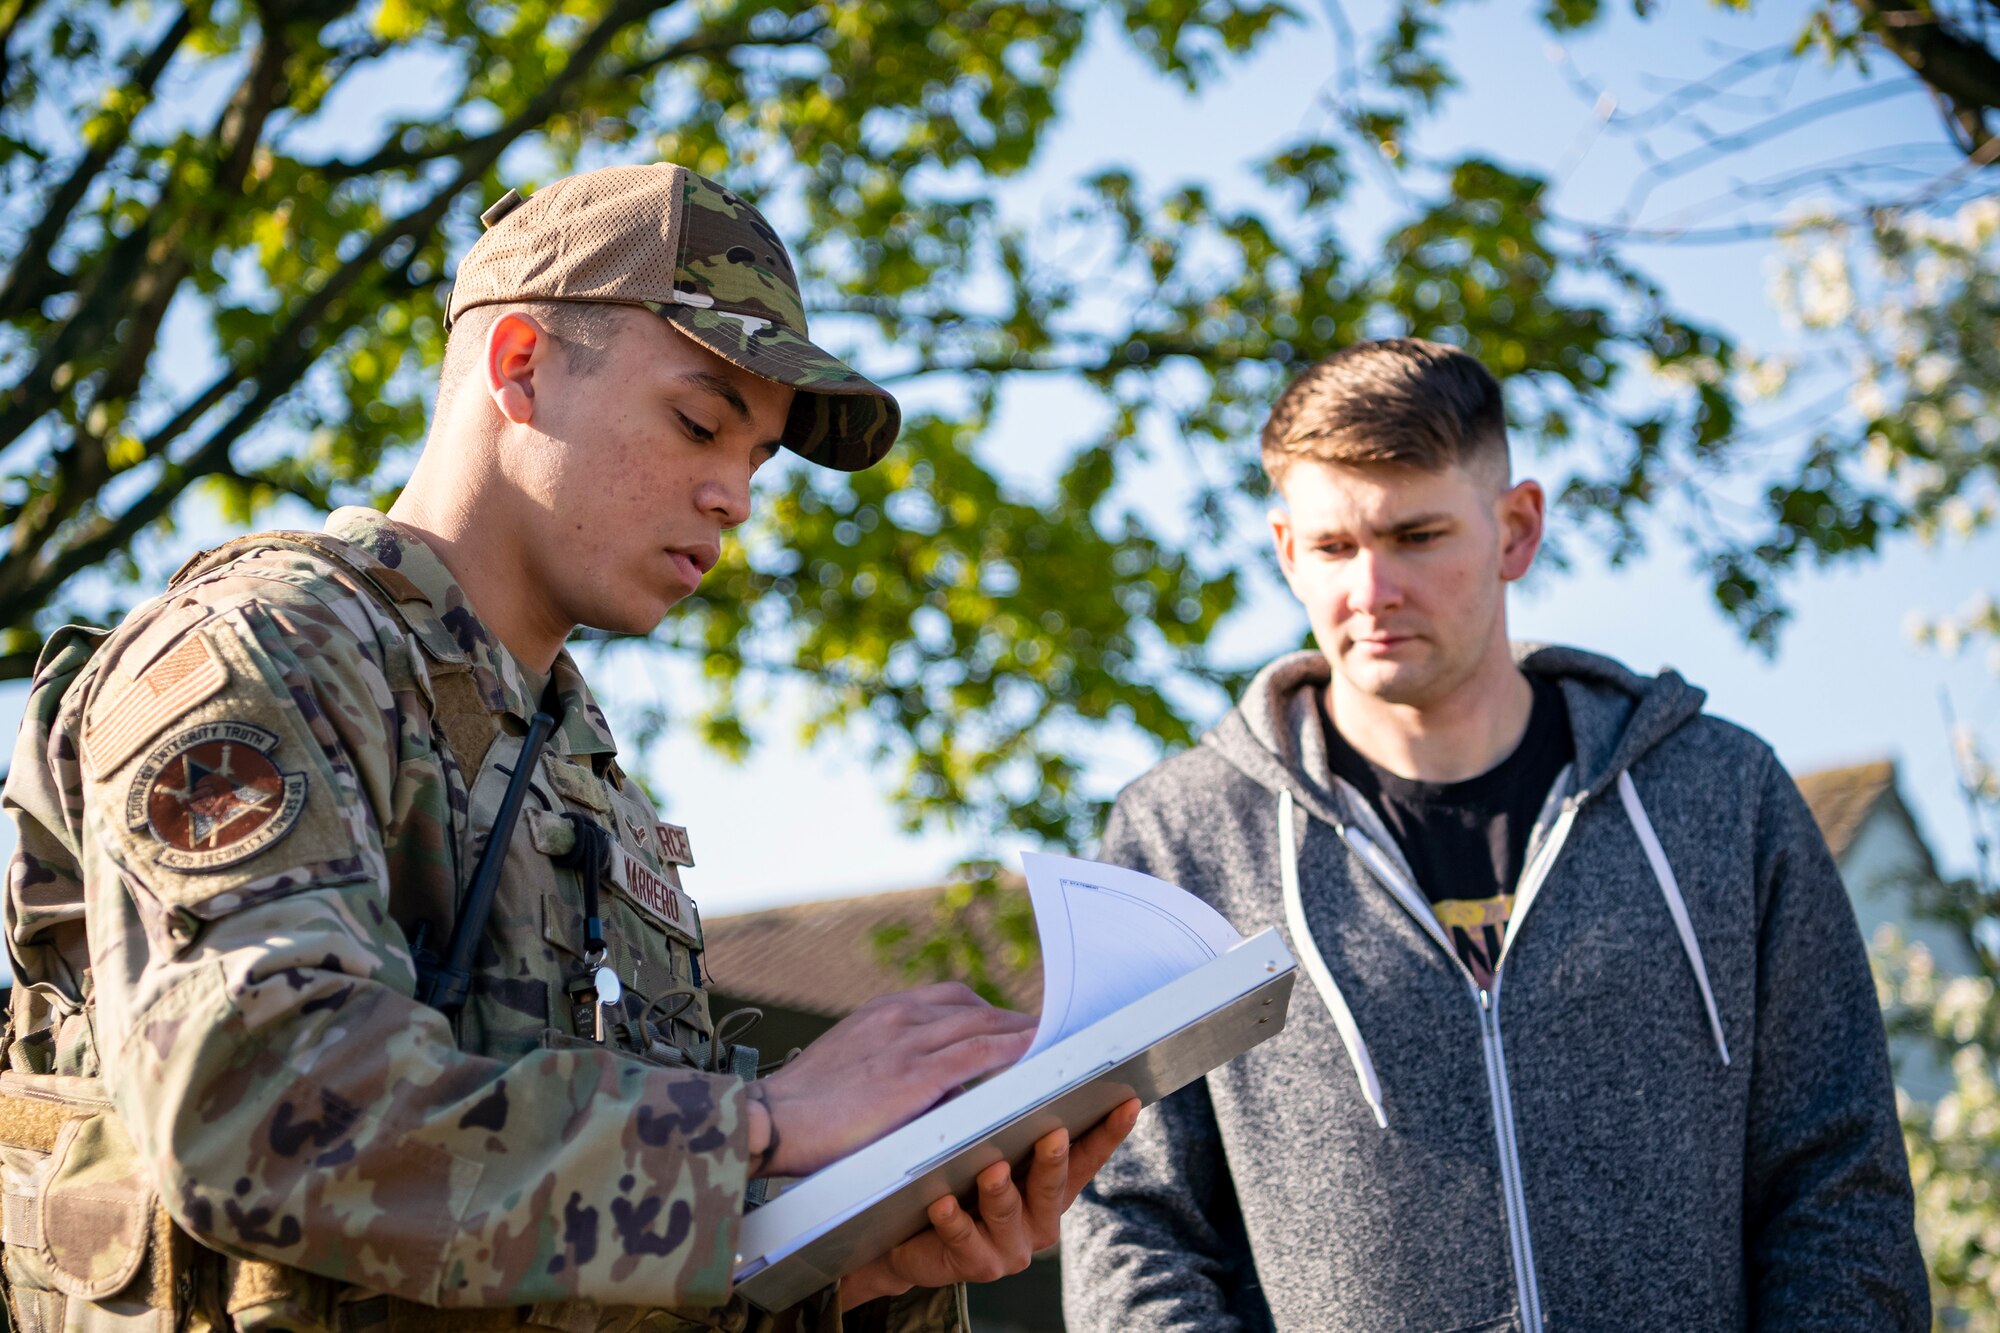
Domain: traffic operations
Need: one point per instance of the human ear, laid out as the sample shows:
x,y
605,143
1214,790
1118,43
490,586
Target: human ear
x,y
516,350
1283,535
1521,511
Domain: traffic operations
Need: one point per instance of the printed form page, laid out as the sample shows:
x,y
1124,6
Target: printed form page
x,y
1111,936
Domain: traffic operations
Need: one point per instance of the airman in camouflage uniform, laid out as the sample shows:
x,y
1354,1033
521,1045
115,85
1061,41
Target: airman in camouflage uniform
x,y
247,819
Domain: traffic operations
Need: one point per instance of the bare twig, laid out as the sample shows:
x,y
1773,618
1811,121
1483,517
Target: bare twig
x,y
1983,859
1937,189
1713,90
1716,146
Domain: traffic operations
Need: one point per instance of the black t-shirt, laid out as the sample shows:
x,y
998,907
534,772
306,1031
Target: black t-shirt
x,y
1467,841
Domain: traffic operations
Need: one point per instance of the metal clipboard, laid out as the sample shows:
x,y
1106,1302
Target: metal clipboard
x,y
860,1207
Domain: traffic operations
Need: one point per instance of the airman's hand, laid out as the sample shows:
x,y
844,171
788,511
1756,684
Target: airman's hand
x,y
1011,1226
889,1061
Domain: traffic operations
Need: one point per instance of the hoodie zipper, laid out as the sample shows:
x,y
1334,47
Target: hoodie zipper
x,y
1541,860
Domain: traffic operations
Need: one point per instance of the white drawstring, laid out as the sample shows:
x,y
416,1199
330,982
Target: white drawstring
x,y
1538,873
1315,965
1676,906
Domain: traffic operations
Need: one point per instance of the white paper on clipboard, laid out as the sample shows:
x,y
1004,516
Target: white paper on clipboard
x,y
1138,933
1147,990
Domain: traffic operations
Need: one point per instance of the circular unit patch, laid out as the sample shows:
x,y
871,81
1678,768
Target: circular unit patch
x,y
212,796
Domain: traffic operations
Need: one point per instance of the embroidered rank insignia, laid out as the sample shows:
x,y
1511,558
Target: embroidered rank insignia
x,y
674,845
166,690
213,797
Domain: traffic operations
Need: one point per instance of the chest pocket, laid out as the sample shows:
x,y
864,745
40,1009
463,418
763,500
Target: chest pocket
x,y
651,935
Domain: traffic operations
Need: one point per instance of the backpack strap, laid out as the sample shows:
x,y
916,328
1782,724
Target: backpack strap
x,y
460,718
460,714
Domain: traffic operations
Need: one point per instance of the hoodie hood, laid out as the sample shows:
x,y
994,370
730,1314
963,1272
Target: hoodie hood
x,y
1616,715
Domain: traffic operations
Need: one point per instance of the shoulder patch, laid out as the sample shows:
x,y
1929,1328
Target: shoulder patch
x,y
166,690
211,796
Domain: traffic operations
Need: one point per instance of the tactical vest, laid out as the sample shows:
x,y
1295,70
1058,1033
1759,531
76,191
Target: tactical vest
x,y
87,1244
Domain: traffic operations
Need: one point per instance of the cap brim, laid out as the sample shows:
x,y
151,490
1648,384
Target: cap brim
x,y
840,418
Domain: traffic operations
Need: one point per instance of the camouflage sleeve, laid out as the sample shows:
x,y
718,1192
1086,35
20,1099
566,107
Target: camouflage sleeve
x,y
257,1029
924,1310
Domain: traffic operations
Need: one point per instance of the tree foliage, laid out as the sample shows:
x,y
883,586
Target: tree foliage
x,y
1898,308
222,287
1954,1143
222,280
1949,44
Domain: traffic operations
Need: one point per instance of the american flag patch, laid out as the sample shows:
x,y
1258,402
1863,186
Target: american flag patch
x,y
166,690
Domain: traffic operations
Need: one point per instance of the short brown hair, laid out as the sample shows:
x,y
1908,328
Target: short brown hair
x,y
1400,401
583,329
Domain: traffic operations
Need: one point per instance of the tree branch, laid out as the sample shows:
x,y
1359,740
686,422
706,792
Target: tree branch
x,y
22,10
138,262
401,159
397,158
1961,69
421,221
27,583
1715,146
31,280
1119,359
135,285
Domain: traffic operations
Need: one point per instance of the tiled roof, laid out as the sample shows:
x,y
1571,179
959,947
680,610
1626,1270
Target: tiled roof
x,y
825,957
1842,799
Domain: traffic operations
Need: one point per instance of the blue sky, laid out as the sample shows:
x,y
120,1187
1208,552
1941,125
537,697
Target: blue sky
x,y
1847,683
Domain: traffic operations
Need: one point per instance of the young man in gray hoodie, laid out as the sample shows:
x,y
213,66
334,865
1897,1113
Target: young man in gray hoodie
x,y
1584,1037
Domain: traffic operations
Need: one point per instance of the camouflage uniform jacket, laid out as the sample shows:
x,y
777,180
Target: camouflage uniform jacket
x,y
254,771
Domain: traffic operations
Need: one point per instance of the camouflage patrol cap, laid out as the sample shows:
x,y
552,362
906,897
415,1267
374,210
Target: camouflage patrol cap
x,y
698,256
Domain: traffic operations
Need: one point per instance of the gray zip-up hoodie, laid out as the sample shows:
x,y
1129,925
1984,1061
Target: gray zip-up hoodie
x,y
1672,1111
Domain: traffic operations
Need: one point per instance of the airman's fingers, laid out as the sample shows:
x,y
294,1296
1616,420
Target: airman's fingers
x,y
974,1056
953,1226
1089,1154
1000,1217
969,1251
999,1201
1048,1178
939,993
890,1060
951,1026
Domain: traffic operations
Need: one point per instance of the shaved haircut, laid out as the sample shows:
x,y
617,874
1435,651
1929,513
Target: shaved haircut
x,y
582,329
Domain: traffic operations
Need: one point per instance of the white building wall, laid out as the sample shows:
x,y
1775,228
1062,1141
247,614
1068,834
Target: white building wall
x,y
1883,857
